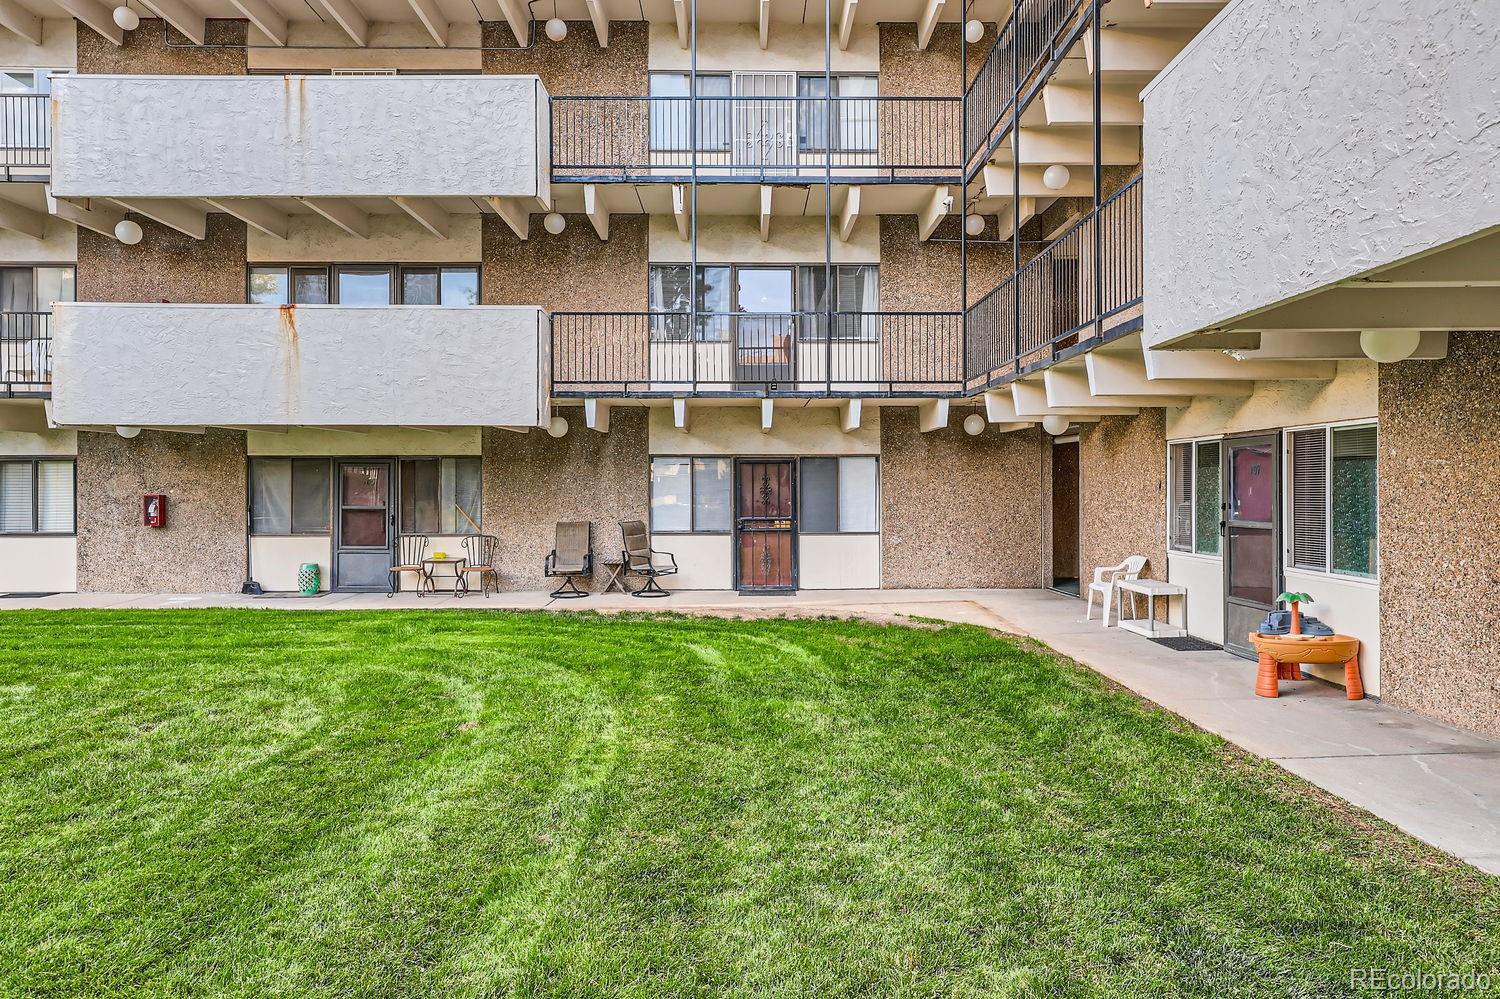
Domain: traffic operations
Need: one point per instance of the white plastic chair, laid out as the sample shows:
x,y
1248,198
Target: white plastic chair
x,y
1105,580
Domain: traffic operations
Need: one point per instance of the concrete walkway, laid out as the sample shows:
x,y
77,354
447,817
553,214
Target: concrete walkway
x,y
1437,783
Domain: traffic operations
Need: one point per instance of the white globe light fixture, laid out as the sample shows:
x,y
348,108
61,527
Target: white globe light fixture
x,y
557,427
1056,425
128,232
974,225
1056,177
129,433
973,424
557,29
1389,346
973,31
554,223
126,18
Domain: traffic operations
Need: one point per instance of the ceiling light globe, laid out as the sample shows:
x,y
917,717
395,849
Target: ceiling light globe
x,y
1056,425
557,29
973,424
126,18
128,232
974,225
1389,346
973,31
557,427
554,223
1056,177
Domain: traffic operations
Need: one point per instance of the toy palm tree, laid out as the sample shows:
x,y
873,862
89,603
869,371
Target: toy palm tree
x,y
1292,599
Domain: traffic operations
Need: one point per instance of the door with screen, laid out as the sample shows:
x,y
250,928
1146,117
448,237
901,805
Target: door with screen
x,y
764,123
765,348
366,525
1252,543
765,526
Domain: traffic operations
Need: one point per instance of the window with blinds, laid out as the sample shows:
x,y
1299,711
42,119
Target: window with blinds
x,y
1334,500
1181,475
1310,499
36,496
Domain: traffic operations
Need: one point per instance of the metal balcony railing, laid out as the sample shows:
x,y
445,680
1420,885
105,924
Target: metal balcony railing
x,y
25,354
25,135
1066,298
673,353
757,138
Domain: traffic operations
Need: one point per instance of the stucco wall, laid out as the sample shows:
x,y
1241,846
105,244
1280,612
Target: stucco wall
x,y
202,548
395,238
533,481
794,48
924,276
1122,492
1344,135
165,265
155,48
571,272
575,66
957,510
277,136
1440,535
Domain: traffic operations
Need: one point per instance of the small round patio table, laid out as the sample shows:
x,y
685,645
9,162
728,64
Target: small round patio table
x,y
1282,656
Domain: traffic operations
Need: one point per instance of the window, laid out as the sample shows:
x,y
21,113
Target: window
x,y
839,495
1195,497
691,494
1334,500
37,496
290,495
671,126
440,495
362,284
724,289
667,292
854,113
27,295
856,294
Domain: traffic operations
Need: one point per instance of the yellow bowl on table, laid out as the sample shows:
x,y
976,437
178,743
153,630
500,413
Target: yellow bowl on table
x,y
439,555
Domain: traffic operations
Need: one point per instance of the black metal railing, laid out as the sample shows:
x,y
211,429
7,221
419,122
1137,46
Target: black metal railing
x,y
25,133
757,138
25,353
1083,288
791,353
1037,32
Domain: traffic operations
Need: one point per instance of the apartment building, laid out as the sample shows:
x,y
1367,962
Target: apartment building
x,y
891,293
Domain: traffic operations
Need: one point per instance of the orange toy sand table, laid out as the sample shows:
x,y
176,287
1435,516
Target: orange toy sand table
x,y
1281,656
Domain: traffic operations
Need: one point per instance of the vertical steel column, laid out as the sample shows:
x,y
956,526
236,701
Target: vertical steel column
x,y
963,197
1015,186
828,288
1098,176
693,278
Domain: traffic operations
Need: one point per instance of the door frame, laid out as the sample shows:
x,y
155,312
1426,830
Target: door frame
x,y
1274,439
392,508
735,521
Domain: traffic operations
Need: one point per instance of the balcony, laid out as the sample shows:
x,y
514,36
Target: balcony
x,y
757,139
315,365
25,354
756,354
25,136
1061,302
300,137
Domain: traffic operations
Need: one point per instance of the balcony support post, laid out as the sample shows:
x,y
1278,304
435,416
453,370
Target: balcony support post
x,y
1015,207
1098,223
693,277
828,286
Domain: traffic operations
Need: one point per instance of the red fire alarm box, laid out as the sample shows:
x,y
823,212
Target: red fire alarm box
x,y
154,510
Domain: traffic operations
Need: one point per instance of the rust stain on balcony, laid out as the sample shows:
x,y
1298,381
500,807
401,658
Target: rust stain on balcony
x,y
291,357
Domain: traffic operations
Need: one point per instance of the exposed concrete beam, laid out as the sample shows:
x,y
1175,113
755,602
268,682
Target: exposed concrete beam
x,y
932,415
684,30
767,195
767,415
255,214
23,22
99,217
360,431
849,214
680,208
1341,346
997,183
1213,364
929,21
342,214
519,19
850,411
1030,399
196,431
180,215
1069,388
1136,53
846,22
1006,222
934,211
765,23
513,213
596,415
23,416
96,16
258,430
600,17
432,19
680,414
1125,374
181,16
999,407
1390,308
1010,428
1070,104
595,208
1073,145
350,18
265,17
1469,265
18,218
427,213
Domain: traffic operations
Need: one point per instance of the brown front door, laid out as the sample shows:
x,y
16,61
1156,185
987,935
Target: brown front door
x,y
765,526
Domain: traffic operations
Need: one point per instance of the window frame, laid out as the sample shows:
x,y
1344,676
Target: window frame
x,y
692,504
1288,499
291,496
398,278
401,527
35,462
835,134
669,128
7,329
1193,444
838,489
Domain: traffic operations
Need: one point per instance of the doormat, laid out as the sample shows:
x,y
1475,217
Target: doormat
x,y
25,596
1188,645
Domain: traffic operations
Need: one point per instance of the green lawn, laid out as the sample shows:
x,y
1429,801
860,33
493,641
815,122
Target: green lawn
x,y
236,803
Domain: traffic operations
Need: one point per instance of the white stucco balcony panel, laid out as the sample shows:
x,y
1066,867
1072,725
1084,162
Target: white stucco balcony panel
x,y
319,365
1294,145
300,136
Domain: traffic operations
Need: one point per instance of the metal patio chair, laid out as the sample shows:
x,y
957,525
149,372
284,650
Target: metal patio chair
x,y
640,559
572,555
479,559
410,549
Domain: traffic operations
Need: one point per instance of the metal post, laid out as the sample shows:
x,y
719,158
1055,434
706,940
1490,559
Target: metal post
x,y
693,278
963,197
1015,191
828,288
1098,179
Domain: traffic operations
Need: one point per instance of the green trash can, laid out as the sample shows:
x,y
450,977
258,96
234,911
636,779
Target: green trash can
x,y
308,579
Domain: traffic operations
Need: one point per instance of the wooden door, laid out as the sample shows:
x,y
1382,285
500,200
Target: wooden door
x,y
765,526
